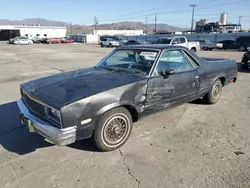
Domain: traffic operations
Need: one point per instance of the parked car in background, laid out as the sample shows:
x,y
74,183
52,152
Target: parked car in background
x,y
131,82
67,40
135,42
243,43
23,41
36,39
119,39
12,40
208,45
228,44
180,41
245,59
109,42
53,40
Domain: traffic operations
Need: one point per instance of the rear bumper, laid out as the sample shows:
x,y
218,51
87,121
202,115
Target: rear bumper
x,y
51,134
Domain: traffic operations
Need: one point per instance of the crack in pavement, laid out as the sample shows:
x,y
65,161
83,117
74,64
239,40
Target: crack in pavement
x,y
178,119
128,169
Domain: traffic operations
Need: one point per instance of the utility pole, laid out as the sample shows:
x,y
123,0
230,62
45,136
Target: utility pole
x,y
240,23
192,23
95,22
155,23
240,19
146,26
70,28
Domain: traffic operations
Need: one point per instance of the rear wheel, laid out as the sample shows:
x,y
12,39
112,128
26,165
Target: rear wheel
x,y
101,45
113,129
193,49
214,93
242,48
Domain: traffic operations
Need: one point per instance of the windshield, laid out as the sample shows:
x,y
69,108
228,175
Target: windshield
x,y
135,61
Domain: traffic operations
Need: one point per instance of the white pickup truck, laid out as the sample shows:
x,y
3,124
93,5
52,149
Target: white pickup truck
x,y
109,42
179,40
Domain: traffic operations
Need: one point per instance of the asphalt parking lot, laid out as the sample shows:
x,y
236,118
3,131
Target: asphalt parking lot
x,y
190,146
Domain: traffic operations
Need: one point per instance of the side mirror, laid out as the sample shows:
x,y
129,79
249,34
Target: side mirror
x,y
167,72
174,42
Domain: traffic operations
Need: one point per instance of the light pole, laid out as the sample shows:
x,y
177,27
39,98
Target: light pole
x,y
192,23
146,25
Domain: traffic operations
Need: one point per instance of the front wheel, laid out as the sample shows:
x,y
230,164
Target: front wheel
x,y
244,63
113,129
214,93
110,45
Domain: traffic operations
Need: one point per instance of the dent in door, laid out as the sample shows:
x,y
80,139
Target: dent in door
x,y
158,91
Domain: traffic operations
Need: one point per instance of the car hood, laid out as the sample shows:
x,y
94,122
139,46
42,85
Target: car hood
x,y
68,87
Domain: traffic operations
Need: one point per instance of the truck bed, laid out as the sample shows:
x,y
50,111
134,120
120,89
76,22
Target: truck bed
x,y
214,59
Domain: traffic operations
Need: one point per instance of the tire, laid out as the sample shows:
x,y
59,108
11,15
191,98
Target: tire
x,y
211,97
110,45
100,136
244,65
242,48
210,49
205,48
193,49
101,45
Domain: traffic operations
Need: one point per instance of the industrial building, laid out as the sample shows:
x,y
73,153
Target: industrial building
x,y
118,32
10,31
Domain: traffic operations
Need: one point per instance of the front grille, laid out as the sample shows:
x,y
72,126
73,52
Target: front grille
x,y
38,109
34,106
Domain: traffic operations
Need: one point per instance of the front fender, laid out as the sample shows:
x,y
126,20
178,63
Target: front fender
x,y
114,105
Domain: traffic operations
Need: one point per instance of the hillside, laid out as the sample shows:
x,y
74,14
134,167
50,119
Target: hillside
x,y
74,29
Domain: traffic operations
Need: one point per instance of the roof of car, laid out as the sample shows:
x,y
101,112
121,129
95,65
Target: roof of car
x,y
153,46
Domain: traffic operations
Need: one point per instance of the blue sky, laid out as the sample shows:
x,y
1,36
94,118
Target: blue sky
x,y
177,13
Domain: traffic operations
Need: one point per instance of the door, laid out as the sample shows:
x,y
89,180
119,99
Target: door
x,y
179,85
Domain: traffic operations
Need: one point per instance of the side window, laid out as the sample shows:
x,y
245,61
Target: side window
x,y
182,40
191,59
174,60
176,41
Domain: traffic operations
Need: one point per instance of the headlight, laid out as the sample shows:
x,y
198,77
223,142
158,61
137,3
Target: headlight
x,y
52,113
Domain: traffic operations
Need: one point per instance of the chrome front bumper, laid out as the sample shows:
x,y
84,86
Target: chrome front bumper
x,y
51,134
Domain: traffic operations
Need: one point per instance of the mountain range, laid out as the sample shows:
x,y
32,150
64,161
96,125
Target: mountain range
x,y
76,28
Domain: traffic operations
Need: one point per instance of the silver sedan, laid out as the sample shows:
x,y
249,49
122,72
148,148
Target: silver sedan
x,y
23,41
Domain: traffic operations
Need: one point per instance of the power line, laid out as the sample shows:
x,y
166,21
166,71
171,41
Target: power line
x,y
154,9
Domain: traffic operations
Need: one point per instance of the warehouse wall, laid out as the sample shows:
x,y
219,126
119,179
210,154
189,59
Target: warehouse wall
x,y
50,32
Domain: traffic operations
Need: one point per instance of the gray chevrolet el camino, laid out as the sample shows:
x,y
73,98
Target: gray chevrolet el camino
x,y
103,101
